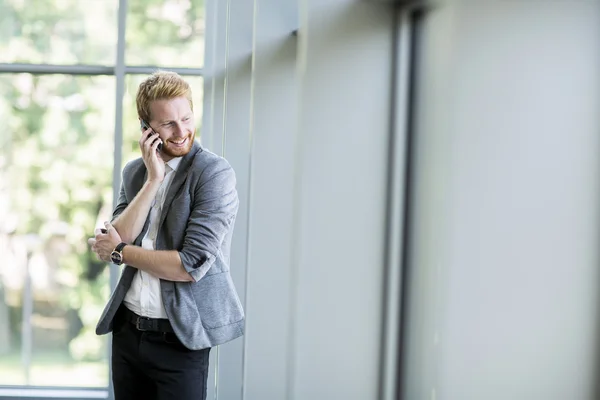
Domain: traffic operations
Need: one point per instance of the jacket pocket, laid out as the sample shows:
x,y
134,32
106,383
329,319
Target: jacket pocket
x,y
217,301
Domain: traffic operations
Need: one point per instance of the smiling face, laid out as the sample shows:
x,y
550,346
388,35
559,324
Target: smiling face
x,y
164,100
173,119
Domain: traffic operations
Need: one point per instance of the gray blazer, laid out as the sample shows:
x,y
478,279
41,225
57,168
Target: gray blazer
x,y
197,220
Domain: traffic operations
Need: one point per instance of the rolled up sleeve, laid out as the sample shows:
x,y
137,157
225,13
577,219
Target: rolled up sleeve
x,y
214,209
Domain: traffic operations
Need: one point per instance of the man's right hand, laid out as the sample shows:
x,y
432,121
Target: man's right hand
x,y
154,163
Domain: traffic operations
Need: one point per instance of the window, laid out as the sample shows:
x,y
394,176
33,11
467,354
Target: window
x,y
68,114
57,183
165,33
58,31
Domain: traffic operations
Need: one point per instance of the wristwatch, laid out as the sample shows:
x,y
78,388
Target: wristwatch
x,y
117,254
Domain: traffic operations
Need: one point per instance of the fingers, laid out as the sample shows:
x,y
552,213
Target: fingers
x,y
145,136
112,233
153,137
147,133
155,145
150,141
92,242
103,239
98,232
108,227
99,254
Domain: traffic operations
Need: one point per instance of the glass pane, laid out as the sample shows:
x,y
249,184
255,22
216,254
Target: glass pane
x,y
165,33
55,188
131,125
58,31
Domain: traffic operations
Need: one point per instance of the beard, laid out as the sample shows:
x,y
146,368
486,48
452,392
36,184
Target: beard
x,y
172,151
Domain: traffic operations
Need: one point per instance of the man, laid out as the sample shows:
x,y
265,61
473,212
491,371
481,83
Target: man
x,y
172,230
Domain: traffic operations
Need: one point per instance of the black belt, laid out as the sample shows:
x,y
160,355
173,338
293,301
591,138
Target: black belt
x,y
147,324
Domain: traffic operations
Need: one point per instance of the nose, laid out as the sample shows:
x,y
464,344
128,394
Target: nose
x,y
178,128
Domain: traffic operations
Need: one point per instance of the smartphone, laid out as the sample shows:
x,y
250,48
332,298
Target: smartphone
x,y
144,125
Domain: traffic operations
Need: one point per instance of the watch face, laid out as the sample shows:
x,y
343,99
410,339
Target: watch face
x,y
116,258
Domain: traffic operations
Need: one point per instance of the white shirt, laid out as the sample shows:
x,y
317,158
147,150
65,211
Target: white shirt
x,y
144,297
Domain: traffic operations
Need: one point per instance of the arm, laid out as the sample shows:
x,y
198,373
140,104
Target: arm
x,y
164,264
129,218
214,210
213,214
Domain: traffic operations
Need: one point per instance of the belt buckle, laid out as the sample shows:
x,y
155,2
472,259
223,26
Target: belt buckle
x,y
137,323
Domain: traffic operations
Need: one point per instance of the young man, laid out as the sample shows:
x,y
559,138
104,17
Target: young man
x,y
171,229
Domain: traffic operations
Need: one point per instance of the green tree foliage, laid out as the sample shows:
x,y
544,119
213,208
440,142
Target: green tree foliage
x,y
165,33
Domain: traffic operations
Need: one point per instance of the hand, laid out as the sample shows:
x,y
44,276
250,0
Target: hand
x,y
104,243
154,163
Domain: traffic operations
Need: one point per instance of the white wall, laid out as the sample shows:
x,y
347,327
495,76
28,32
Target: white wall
x,y
274,109
305,121
342,151
503,284
501,274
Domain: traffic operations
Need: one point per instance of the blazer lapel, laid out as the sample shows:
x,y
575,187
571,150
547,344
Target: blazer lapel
x,y
138,181
178,180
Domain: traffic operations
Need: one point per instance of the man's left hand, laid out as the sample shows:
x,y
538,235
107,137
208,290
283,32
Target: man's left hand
x,y
104,243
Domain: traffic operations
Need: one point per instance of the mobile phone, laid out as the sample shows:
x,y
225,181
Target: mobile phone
x,y
144,125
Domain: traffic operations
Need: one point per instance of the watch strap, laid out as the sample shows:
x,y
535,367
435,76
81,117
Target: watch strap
x,y
120,246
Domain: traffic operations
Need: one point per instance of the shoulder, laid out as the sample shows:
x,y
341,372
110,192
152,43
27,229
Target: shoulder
x,y
207,165
133,166
134,170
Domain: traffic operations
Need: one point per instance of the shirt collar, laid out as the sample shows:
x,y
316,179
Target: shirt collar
x,y
174,162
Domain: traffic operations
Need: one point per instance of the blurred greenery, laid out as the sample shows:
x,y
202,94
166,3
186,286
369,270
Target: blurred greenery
x,y
53,368
58,31
165,33
56,161
159,32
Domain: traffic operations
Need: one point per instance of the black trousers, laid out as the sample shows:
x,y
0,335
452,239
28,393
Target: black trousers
x,y
155,365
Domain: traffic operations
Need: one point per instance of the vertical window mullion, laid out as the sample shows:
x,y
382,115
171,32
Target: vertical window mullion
x,y
119,93
118,142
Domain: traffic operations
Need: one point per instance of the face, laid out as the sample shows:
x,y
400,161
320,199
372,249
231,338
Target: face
x,y
174,121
